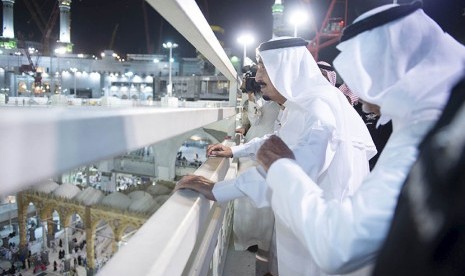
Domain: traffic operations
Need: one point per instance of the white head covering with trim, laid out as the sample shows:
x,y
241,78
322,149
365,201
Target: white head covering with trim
x,y
295,74
406,66
331,74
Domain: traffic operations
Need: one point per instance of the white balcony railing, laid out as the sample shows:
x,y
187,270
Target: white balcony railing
x,y
188,235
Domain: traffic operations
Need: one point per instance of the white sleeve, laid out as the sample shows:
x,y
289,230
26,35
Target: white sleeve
x,y
341,235
226,190
250,183
250,148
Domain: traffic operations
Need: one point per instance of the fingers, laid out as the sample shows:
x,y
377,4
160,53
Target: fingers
x,y
219,150
197,183
214,147
273,149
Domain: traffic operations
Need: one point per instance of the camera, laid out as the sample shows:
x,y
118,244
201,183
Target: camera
x,y
249,84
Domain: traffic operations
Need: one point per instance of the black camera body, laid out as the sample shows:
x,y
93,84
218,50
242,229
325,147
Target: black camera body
x,y
250,85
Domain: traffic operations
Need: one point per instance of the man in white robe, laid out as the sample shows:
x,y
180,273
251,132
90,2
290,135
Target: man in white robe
x,y
252,225
399,59
330,141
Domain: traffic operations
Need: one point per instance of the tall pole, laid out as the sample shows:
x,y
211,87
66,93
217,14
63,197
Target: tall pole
x,y
170,84
245,54
295,30
245,39
170,46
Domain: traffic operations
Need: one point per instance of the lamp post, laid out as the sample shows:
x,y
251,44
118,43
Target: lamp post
x,y
245,39
298,17
170,46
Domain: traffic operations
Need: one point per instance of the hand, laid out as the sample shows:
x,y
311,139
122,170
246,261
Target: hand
x,y
241,130
273,149
251,96
219,150
197,183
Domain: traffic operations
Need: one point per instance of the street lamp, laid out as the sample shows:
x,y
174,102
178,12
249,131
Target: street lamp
x,y
169,45
245,39
298,18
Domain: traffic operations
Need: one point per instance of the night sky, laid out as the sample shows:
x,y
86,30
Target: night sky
x,y
94,21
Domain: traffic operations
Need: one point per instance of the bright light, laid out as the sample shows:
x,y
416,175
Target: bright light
x,y
114,54
73,69
169,45
245,39
298,18
60,50
94,75
171,60
80,55
102,54
129,74
137,79
156,60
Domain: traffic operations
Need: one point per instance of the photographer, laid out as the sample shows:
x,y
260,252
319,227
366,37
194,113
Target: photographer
x,y
260,114
253,227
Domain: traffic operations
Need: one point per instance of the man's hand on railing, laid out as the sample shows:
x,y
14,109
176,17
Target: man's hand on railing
x,y
219,150
273,149
197,183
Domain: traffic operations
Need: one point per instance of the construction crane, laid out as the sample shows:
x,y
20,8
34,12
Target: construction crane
x,y
146,26
113,35
331,29
45,26
30,68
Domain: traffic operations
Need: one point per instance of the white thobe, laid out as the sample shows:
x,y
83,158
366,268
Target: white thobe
x,y
262,117
252,225
309,133
343,236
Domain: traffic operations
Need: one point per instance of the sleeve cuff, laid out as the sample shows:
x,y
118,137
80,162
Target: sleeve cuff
x,y
226,190
238,151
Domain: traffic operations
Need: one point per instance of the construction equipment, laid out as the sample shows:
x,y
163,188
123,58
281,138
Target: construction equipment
x,y
113,35
330,30
45,26
30,68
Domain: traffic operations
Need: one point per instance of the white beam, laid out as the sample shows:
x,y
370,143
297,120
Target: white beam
x,y
38,143
186,17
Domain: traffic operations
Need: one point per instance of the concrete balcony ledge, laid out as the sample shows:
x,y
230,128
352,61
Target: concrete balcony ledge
x,y
38,143
183,237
